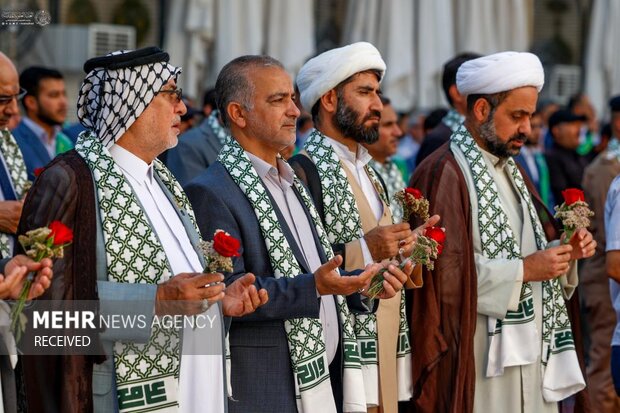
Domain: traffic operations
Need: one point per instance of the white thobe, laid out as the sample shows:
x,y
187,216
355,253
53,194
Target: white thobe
x,y
519,389
201,381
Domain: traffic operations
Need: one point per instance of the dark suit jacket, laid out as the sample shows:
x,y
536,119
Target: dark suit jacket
x,y
35,154
197,149
262,376
566,169
433,140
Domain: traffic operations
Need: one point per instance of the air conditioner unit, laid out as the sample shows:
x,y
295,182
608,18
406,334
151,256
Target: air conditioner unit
x,y
564,82
66,47
105,38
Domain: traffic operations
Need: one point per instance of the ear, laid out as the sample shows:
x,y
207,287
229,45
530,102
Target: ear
x,y
236,114
481,110
454,94
30,102
329,101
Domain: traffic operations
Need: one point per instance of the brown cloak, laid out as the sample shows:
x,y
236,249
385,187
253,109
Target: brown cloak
x,y
443,315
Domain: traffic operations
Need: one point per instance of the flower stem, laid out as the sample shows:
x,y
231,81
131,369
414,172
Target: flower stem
x,y
19,308
568,234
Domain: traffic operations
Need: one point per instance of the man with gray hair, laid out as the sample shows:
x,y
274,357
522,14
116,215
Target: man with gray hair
x,y
302,342
491,329
135,242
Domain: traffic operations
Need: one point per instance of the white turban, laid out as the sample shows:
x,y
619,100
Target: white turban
x,y
500,72
324,72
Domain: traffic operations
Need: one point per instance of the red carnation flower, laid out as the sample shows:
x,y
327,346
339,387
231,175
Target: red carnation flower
x,y
416,193
225,244
572,195
436,233
61,233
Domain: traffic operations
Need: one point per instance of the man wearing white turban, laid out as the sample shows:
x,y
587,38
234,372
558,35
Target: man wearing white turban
x,y
340,88
499,286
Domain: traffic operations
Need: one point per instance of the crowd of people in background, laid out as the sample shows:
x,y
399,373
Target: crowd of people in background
x,y
568,145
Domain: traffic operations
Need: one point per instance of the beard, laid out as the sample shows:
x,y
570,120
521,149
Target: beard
x,y
495,145
346,120
49,119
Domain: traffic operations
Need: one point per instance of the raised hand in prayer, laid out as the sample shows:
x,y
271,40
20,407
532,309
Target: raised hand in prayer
x,y
15,273
329,281
242,298
187,293
10,212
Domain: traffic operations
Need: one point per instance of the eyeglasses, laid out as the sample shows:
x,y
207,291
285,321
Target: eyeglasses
x,y
178,93
6,99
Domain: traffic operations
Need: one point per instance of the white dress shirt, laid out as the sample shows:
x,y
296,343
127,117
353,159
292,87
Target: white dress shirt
x,y
612,243
279,183
355,163
201,380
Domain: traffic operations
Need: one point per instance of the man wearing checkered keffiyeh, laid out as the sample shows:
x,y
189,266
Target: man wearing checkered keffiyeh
x,y
145,234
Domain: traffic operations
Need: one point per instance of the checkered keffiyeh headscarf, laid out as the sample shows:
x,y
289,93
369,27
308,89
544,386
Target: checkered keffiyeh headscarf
x,y
118,87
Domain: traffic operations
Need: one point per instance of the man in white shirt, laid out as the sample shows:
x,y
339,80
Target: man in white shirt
x,y
612,236
499,309
301,344
340,87
136,242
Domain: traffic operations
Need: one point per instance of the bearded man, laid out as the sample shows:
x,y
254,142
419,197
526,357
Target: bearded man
x,y
39,134
492,333
340,88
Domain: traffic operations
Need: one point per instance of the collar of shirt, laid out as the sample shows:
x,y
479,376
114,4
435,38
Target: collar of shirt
x,y
283,174
131,164
39,131
361,158
496,161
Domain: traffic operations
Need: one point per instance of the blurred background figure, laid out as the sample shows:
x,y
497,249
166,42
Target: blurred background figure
x,y
382,151
208,102
580,105
191,117
409,144
433,120
533,161
565,164
606,136
39,134
198,147
455,116
594,283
